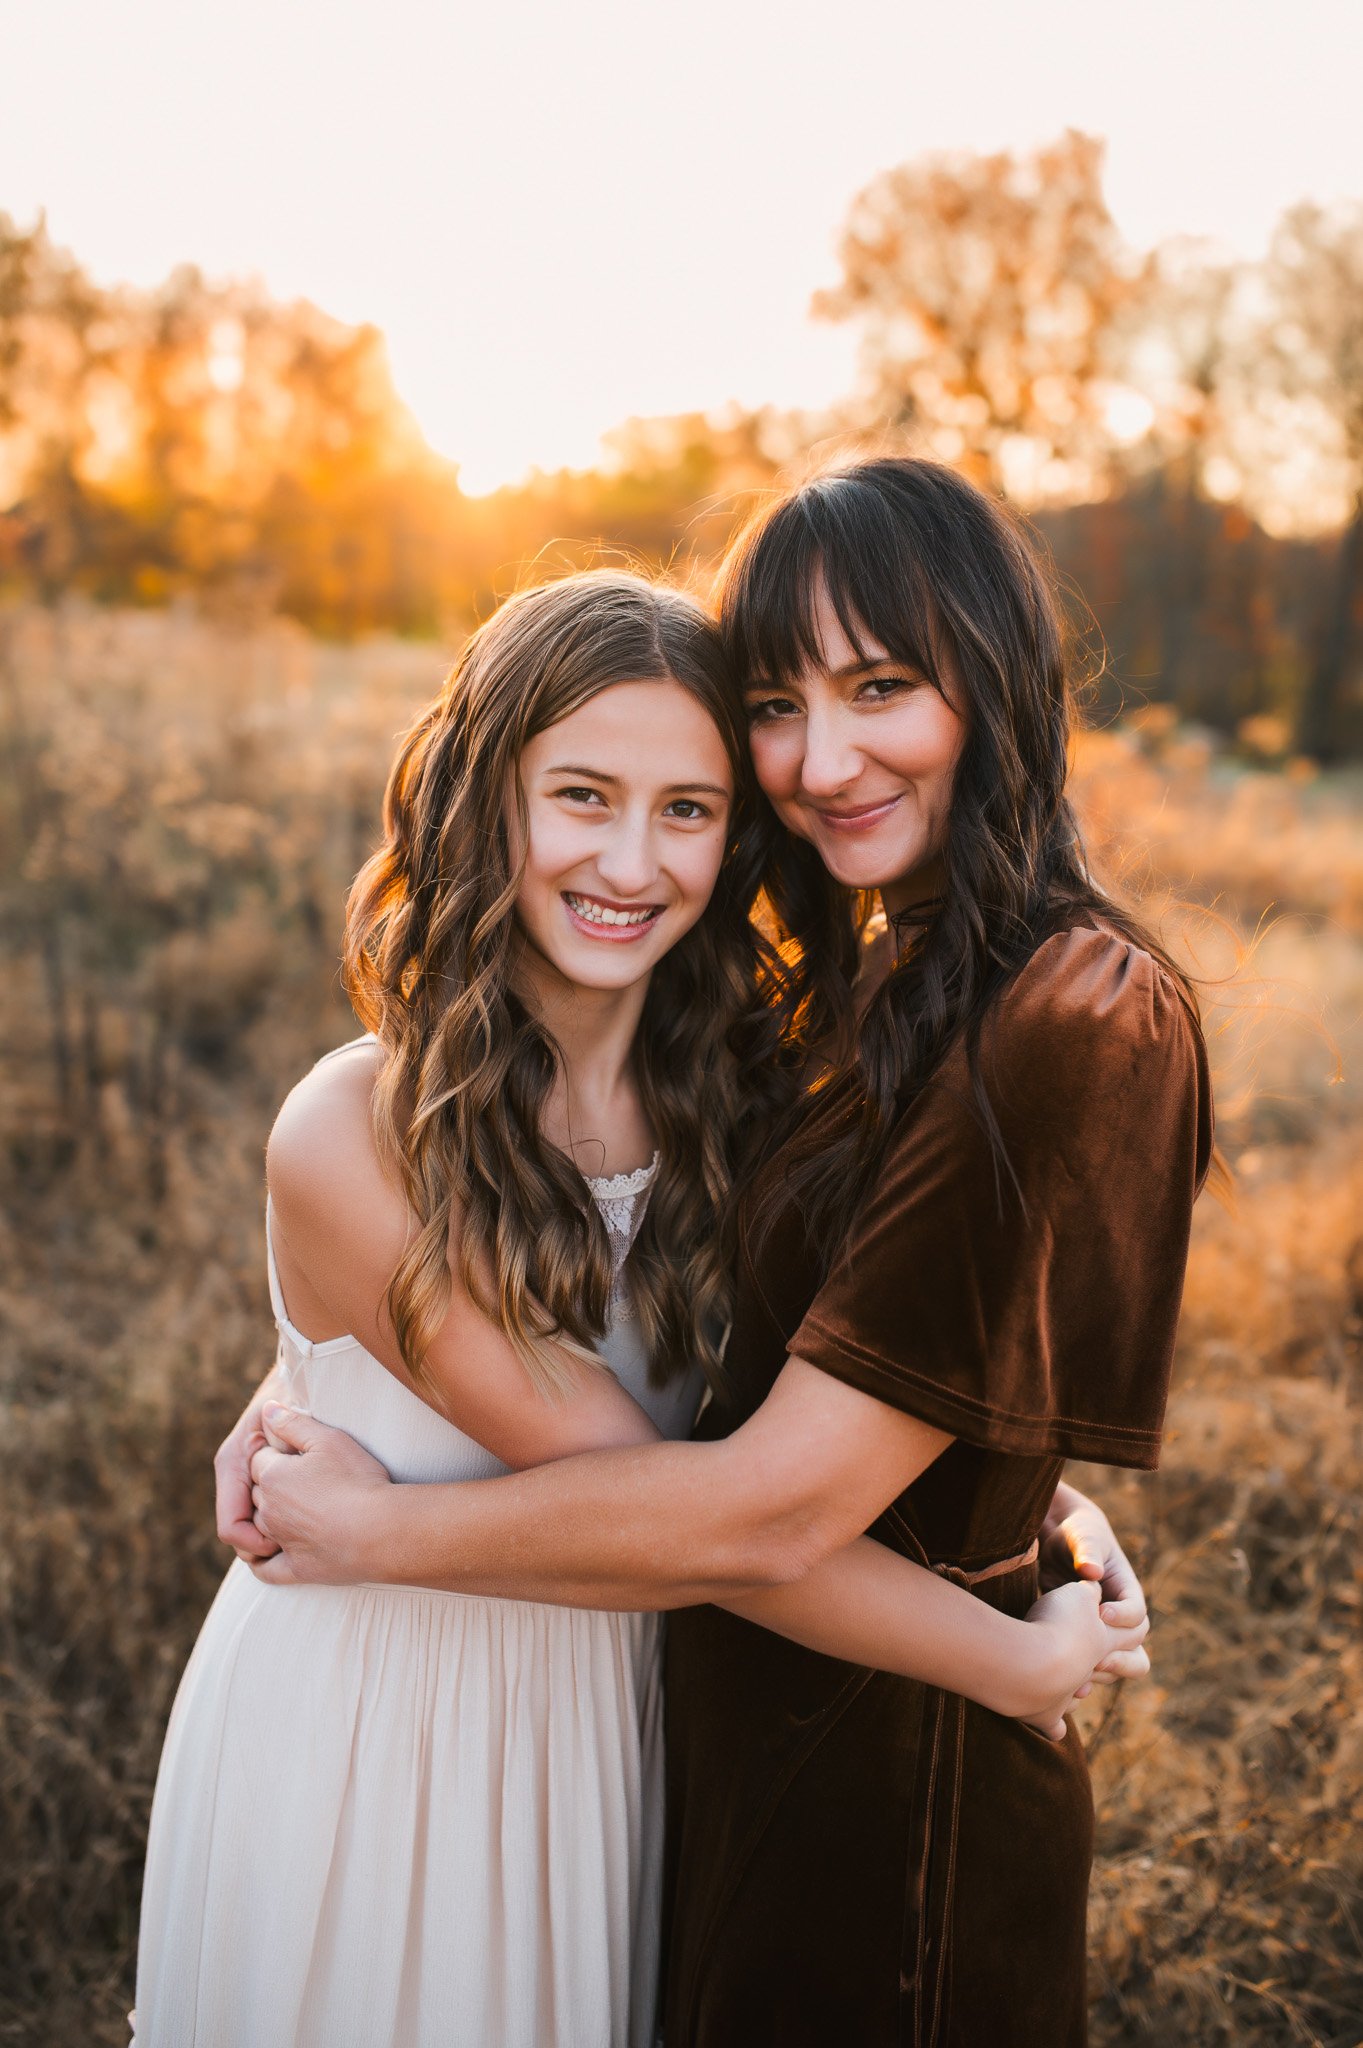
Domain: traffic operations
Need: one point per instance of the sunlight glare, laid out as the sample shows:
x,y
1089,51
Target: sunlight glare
x,y
515,427
1128,415
226,343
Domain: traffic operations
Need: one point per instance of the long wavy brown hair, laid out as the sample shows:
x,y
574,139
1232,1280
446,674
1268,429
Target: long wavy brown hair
x,y
950,582
430,946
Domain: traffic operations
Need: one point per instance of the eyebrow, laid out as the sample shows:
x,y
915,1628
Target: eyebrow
x,y
672,789
856,668
849,668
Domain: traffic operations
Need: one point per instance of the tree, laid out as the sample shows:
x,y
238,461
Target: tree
x,y
1186,348
1316,280
54,342
988,289
202,435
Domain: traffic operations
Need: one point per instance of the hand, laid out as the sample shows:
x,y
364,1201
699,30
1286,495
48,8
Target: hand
x,y
312,1490
232,1469
1078,1541
1083,1650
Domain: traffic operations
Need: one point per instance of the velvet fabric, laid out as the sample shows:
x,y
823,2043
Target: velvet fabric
x,y
855,1858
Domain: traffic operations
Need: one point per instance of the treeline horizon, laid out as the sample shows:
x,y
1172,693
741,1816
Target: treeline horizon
x,y
1179,427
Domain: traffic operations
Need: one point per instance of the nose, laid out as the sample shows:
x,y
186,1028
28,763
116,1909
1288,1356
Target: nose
x,y
627,859
831,761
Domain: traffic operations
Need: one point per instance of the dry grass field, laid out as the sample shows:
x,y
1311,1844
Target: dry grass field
x,y
181,807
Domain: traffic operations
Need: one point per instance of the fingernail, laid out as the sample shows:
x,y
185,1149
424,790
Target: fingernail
x,y
273,1410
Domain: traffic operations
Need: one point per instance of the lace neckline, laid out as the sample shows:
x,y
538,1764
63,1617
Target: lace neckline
x,y
621,1199
613,1187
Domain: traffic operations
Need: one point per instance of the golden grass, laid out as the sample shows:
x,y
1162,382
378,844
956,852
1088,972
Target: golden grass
x,y
182,809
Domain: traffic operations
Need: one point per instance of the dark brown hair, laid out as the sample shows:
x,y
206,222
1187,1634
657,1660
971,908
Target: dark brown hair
x,y
947,581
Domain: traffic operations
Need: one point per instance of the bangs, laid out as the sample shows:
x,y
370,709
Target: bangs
x,y
836,534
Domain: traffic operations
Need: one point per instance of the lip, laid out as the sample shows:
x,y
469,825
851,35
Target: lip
x,y
611,934
864,818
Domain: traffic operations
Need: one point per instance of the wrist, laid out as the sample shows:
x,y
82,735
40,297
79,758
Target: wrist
x,y
1034,1677
1013,1664
375,1539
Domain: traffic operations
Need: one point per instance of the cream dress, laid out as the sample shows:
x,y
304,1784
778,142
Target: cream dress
x,y
388,1818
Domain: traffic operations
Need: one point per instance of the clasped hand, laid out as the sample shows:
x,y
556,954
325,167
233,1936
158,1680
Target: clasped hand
x,y
1091,1592
291,1497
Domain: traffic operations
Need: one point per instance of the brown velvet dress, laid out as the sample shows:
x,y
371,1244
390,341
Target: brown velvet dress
x,y
856,1858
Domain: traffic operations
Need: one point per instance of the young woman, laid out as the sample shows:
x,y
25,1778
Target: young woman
x,y
392,1817
960,1264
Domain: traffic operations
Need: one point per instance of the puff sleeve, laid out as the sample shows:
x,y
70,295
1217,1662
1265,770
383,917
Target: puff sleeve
x,y
1035,1311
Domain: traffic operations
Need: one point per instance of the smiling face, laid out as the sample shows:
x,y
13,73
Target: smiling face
x,y
628,801
857,754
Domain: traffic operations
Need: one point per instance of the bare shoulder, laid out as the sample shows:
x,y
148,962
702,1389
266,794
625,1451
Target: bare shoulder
x,y
322,1140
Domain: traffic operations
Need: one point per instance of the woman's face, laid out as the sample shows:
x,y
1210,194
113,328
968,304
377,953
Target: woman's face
x,y
628,800
857,755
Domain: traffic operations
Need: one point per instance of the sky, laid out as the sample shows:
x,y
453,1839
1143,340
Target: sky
x,y
565,216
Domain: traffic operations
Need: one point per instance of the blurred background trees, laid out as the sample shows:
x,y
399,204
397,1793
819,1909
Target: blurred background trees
x,y
989,292
1188,432
1315,276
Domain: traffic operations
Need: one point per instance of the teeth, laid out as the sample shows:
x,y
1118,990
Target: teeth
x,y
600,913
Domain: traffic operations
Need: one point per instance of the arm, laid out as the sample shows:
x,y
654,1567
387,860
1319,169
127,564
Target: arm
x,y
867,1605
639,1526
340,1228
760,1523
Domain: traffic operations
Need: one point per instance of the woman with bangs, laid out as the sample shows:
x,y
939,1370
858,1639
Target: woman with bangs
x,y
496,1238
960,1260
